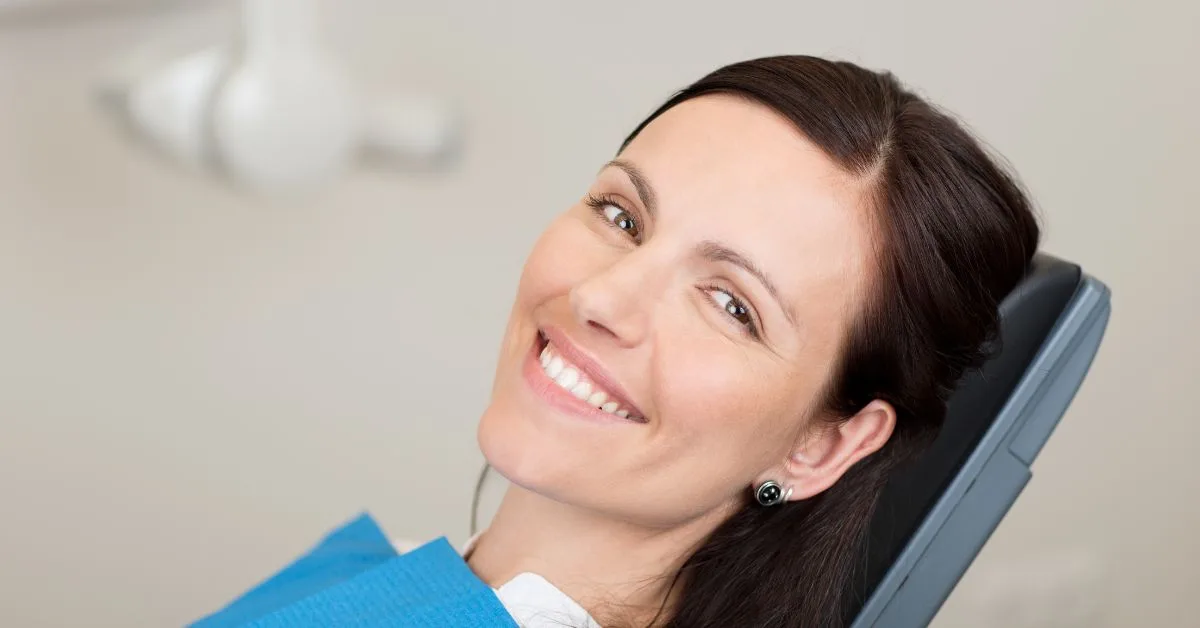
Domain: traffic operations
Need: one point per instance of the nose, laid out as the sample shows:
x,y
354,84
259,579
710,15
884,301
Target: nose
x,y
618,301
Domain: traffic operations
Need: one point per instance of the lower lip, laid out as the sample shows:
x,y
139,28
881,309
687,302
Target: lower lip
x,y
558,398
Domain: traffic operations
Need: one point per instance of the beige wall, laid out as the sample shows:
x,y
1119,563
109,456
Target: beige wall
x,y
194,384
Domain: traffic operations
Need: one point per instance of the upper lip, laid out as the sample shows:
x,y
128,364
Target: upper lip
x,y
592,368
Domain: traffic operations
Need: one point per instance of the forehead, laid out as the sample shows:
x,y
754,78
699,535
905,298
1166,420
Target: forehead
x,y
729,169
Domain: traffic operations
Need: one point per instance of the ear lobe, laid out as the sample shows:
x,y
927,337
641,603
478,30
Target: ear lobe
x,y
825,455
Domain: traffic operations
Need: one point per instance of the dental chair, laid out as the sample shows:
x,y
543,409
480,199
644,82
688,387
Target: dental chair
x,y
938,511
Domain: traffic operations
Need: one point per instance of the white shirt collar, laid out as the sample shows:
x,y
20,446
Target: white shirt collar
x,y
535,603
531,600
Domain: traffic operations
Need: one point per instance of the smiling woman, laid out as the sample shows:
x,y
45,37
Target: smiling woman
x,y
716,357
773,286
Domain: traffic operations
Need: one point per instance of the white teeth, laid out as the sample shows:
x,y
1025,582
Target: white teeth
x,y
567,378
582,390
570,379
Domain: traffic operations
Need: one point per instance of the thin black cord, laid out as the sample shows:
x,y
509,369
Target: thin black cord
x,y
478,493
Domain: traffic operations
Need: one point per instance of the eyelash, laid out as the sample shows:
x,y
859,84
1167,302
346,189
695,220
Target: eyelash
x,y
599,202
750,327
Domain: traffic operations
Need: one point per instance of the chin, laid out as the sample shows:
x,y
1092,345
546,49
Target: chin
x,y
537,447
543,430
510,448
525,451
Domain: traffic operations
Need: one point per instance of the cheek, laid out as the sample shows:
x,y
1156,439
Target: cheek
x,y
560,258
723,409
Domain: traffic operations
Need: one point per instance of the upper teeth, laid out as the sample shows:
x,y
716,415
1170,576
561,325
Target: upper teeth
x,y
571,379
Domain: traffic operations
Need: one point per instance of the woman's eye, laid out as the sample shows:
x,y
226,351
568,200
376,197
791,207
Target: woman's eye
x,y
612,213
733,307
621,219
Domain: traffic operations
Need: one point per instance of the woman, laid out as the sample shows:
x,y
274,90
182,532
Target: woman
x,y
716,356
776,284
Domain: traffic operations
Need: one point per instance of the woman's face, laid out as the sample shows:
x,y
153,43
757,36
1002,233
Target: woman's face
x,y
693,304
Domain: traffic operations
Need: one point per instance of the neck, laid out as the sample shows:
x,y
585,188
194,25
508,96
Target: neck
x,y
606,565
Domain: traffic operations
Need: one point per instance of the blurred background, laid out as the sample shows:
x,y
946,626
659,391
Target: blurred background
x,y
198,377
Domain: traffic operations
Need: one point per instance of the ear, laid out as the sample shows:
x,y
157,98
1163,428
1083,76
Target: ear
x,y
825,453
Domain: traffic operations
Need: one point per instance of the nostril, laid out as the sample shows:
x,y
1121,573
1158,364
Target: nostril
x,y
601,327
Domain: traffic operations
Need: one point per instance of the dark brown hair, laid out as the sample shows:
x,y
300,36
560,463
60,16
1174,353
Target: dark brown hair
x,y
954,234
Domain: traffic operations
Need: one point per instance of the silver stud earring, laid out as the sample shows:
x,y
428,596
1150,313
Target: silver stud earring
x,y
770,493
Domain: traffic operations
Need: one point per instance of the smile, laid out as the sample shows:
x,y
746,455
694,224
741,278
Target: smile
x,y
571,381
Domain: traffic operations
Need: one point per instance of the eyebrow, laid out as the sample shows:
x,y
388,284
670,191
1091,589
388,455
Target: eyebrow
x,y
641,184
717,252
